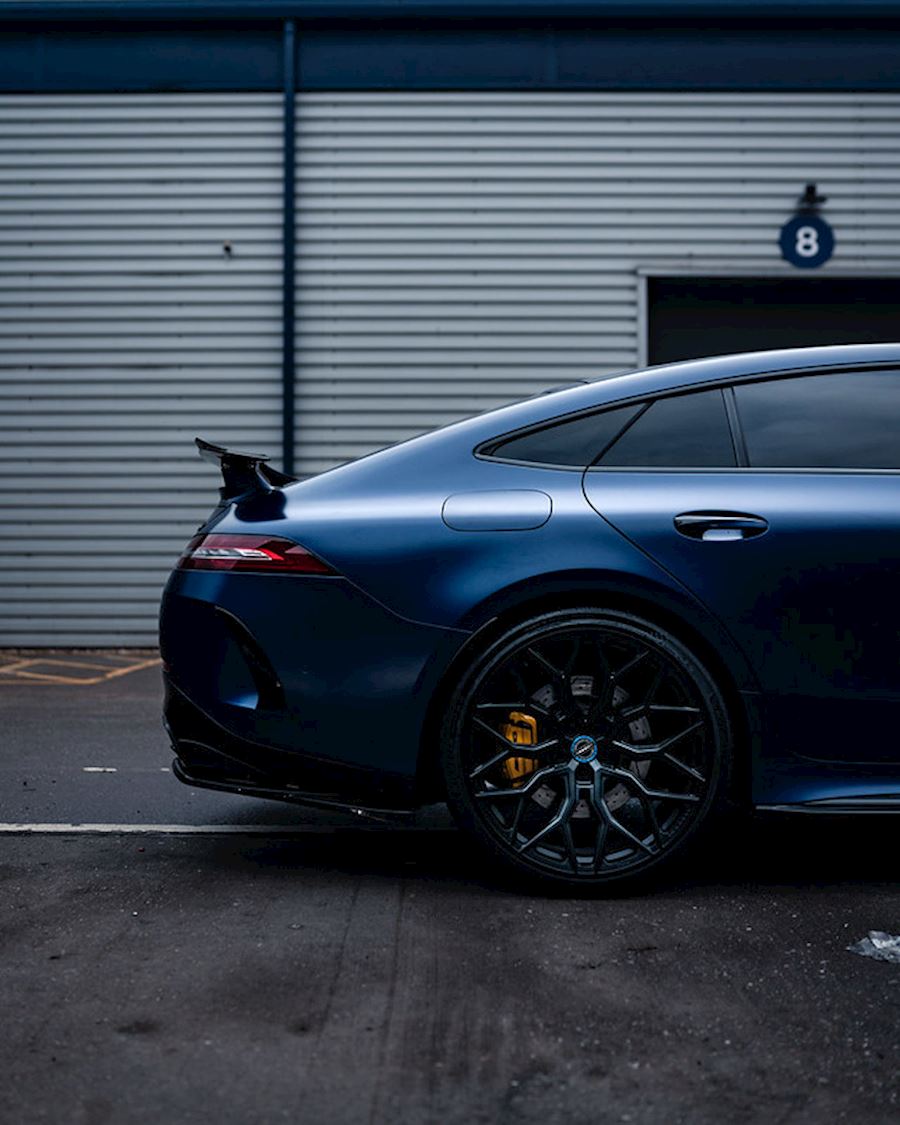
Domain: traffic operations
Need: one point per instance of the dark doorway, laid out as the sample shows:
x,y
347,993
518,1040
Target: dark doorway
x,y
691,317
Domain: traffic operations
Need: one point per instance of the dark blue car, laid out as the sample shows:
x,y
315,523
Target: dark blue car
x,y
590,621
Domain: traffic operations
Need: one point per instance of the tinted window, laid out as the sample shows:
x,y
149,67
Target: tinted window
x,y
685,432
575,442
846,421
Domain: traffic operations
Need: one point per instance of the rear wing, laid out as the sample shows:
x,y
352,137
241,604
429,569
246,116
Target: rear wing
x,y
242,472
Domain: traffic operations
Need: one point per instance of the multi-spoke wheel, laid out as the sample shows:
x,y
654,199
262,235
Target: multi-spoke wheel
x,y
586,747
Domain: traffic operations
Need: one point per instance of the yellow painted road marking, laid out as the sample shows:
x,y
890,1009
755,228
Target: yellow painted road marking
x,y
93,665
23,670
16,665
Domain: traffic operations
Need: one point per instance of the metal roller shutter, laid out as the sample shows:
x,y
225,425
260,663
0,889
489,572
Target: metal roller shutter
x,y
454,251
125,329
460,250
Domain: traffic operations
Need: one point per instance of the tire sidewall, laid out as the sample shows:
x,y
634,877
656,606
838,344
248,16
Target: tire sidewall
x,y
462,804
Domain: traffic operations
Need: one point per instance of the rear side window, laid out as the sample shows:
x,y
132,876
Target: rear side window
x,y
842,421
685,432
573,443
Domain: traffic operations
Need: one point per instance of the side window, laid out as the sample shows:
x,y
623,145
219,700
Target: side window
x,y
683,432
575,442
842,421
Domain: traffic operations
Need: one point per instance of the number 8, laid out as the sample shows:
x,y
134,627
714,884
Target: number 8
x,y
807,244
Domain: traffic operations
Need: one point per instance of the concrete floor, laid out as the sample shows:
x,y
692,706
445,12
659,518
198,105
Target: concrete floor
x,y
329,974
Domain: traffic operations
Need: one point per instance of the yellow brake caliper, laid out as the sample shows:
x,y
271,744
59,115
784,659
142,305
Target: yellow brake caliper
x,y
521,730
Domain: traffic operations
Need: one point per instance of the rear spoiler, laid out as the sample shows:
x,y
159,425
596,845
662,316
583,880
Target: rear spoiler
x,y
242,472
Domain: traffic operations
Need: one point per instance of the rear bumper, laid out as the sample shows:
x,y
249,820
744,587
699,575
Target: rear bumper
x,y
298,685
294,795
210,757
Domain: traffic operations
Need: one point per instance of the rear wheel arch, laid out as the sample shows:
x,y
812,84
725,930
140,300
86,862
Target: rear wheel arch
x,y
512,608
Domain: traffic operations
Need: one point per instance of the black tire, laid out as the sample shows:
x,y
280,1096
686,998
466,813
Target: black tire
x,y
586,749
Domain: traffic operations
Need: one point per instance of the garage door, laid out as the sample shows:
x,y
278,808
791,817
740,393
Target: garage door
x,y
690,317
125,329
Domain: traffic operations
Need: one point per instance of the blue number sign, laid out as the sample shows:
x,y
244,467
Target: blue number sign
x,y
806,241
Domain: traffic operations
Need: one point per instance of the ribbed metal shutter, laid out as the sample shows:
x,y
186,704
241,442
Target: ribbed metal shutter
x,y
125,329
459,250
455,251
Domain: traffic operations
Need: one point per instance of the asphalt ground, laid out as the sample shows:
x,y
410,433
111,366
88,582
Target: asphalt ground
x,y
255,963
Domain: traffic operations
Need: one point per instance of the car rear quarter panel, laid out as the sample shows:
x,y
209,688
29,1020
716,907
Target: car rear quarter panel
x,y
384,531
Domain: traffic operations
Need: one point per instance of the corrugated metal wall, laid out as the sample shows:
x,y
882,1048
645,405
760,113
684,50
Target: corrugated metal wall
x,y
455,251
124,331
459,250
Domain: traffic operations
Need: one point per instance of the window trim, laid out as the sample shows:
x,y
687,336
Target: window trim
x,y
482,451
738,439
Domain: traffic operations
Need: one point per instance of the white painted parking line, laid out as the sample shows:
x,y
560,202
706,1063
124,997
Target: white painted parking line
x,y
170,829
126,769
363,824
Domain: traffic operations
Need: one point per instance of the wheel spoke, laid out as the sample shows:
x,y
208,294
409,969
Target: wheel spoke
x,y
646,707
488,729
595,799
650,817
677,764
489,764
545,665
515,750
521,686
655,708
655,748
562,814
511,751
517,820
602,809
632,663
600,841
655,684
524,790
630,778
627,833
574,655
529,706
570,845
604,697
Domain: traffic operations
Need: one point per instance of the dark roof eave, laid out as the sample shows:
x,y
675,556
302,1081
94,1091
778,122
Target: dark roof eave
x,y
256,10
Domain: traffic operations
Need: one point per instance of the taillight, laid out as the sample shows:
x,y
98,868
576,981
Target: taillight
x,y
260,554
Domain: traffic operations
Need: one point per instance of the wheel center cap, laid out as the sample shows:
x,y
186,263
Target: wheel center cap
x,y
583,748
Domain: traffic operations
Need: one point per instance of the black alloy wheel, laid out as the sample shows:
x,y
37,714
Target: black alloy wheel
x,y
586,748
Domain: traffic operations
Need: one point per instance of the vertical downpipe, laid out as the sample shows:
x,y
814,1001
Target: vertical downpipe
x,y
288,251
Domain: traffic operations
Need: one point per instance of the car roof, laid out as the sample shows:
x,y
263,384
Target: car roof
x,y
441,447
605,390
715,368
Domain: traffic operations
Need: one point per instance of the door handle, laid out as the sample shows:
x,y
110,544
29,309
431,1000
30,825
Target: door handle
x,y
720,527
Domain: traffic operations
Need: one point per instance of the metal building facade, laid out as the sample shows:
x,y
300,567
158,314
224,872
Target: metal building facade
x,y
476,212
125,329
461,250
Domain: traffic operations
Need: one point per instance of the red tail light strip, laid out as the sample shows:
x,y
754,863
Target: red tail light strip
x,y
259,554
